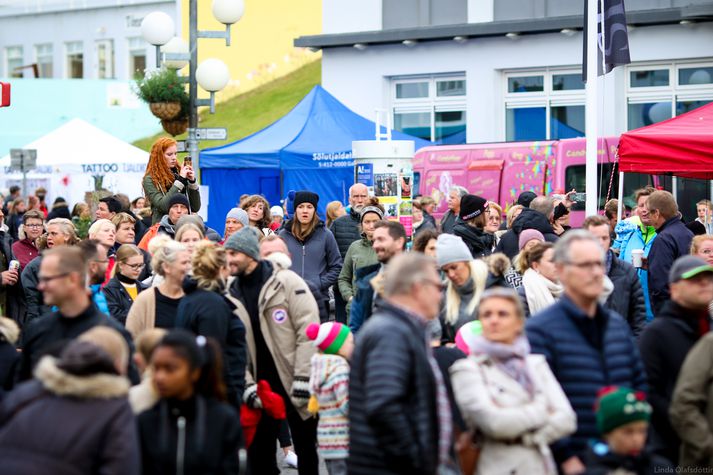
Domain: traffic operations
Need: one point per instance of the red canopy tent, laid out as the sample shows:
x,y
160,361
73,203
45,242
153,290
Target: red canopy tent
x,y
682,146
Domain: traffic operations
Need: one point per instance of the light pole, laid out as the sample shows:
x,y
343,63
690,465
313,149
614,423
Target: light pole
x,y
212,74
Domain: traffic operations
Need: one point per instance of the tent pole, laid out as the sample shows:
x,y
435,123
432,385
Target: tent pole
x,y
590,122
620,205
674,188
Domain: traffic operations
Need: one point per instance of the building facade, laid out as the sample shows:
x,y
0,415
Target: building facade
x,y
456,71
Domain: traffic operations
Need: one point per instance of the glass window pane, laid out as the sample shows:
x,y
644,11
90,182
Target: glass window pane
x,y
75,66
138,65
695,76
526,84
411,90
651,78
417,124
450,127
450,88
641,115
575,178
686,106
567,82
526,124
566,122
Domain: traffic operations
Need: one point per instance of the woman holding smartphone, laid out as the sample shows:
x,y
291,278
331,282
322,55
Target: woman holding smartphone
x,y
164,178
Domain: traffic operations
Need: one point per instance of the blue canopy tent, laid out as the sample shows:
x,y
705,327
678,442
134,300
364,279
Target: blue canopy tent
x,y
307,149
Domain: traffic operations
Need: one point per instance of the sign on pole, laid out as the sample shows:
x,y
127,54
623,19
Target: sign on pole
x,y
214,133
4,94
181,146
23,160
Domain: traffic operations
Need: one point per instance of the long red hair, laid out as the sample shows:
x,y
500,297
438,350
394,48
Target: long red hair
x,y
157,169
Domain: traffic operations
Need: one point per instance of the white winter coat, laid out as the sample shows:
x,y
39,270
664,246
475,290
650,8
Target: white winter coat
x,y
516,429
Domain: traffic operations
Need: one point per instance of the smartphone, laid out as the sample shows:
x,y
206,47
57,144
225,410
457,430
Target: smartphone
x,y
188,161
578,197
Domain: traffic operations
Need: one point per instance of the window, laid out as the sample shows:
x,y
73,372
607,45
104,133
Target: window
x,y
75,59
13,61
432,108
137,57
44,59
414,13
575,178
542,105
105,59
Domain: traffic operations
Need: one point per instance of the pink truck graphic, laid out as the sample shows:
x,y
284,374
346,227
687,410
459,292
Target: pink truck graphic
x,y
501,171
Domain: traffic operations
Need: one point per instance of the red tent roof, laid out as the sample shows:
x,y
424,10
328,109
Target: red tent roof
x,y
682,146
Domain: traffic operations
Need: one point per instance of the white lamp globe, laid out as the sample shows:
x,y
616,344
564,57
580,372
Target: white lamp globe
x,y
228,11
175,45
157,28
700,77
212,75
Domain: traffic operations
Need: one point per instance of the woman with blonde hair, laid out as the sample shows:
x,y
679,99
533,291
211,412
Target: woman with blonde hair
x,y
258,210
335,209
315,255
156,307
164,178
124,287
104,231
205,311
508,395
189,235
540,286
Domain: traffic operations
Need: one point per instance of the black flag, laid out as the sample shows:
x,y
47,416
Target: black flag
x,y
614,42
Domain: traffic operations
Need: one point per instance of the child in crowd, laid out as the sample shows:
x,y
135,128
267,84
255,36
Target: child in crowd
x,y
329,389
623,420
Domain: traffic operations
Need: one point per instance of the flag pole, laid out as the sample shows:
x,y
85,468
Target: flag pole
x,y
592,190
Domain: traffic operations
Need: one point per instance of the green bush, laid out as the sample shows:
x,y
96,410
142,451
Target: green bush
x,y
163,85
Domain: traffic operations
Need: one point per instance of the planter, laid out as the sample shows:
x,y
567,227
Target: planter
x,y
165,110
175,126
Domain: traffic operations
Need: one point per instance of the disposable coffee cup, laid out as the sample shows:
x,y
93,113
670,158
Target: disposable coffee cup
x,y
637,256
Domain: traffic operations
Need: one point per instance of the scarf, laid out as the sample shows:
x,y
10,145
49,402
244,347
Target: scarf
x,y
508,358
540,291
607,290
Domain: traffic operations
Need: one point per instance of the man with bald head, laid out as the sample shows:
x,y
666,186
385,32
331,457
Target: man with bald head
x,y
346,230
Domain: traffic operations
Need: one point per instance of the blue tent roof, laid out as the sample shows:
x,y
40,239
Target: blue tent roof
x,y
319,130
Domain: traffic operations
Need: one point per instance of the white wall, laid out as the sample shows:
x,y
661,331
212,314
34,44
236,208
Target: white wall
x,y
360,79
341,16
480,11
86,25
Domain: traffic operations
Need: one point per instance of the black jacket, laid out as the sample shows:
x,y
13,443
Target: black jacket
x,y
599,460
67,424
673,240
210,314
346,230
33,297
478,241
59,211
528,219
212,437
664,345
425,224
448,221
118,299
628,297
393,423
14,294
51,333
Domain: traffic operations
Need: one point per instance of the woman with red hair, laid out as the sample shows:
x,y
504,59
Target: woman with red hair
x,y
164,178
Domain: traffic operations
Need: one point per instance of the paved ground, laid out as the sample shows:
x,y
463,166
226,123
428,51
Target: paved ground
x,y
291,471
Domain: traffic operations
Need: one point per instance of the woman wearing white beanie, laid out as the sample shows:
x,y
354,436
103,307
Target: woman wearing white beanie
x,y
467,279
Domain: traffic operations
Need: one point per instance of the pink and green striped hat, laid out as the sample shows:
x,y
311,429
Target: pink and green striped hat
x,y
328,337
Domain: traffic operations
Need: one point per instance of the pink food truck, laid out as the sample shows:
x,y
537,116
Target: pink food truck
x,y
501,171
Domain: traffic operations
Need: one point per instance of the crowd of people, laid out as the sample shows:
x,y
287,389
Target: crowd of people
x,y
134,338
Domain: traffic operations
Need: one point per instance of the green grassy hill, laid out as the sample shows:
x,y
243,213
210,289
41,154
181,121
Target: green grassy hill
x,y
254,110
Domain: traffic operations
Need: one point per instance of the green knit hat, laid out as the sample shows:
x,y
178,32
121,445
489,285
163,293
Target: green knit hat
x,y
617,406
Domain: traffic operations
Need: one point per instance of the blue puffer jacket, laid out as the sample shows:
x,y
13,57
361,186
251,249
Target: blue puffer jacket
x,y
585,355
631,237
317,261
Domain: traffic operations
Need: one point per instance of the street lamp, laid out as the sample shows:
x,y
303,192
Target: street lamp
x,y
179,46
212,75
157,28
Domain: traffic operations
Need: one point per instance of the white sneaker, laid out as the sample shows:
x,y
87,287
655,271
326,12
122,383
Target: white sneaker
x,y
291,459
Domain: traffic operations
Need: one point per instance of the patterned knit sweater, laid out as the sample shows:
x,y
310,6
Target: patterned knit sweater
x,y
329,383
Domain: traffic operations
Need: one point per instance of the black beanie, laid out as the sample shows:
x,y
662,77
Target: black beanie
x,y
526,198
306,197
178,199
472,206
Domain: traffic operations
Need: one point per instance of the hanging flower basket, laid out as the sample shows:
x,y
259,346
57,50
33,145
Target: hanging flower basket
x,y
175,126
165,110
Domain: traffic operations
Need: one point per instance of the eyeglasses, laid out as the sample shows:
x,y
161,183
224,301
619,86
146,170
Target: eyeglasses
x,y
33,226
591,265
43,279
135,266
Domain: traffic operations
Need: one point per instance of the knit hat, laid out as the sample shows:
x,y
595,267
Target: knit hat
x,y
466,335
527,235
290,202
472,206
617,406
686,267
240,214
277,211
450,248
370,209
178,199
526,198
328,337
245,241
306,197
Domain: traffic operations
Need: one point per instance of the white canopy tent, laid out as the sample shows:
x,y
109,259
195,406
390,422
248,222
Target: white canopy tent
x,y
72,159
